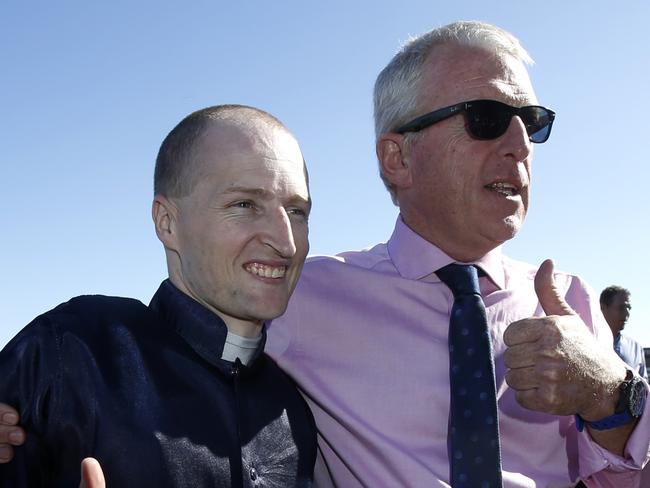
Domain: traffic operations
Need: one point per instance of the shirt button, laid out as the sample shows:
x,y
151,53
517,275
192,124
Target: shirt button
x,y
253,474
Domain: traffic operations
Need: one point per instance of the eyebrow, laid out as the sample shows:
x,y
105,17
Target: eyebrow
x,y
261,192
244,189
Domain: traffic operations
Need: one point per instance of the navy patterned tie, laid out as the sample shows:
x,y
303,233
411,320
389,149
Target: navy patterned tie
x,y
473,439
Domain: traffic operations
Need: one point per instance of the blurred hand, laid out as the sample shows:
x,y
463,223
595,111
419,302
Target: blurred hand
x,y
91,474
10,433
555,364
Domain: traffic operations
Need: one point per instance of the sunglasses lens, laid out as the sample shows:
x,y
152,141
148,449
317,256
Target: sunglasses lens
x,y
487,119
538,121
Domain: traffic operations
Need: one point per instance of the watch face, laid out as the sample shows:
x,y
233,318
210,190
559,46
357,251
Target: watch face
x,y
638,396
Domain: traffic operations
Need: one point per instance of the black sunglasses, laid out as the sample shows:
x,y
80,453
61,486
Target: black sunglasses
x,y
489,119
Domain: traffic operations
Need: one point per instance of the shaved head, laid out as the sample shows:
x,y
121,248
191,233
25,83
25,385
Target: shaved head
x,y
177,167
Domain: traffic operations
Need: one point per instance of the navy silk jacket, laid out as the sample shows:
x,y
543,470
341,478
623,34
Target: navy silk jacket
x,y
144,390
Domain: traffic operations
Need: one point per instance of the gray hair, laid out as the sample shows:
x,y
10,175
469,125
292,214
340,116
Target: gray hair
x,y
175,174
397,89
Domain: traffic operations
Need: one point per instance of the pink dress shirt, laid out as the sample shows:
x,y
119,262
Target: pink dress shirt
x,y
365,338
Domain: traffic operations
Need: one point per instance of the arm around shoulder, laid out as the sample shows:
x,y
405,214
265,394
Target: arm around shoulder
x,y
28,373
11,434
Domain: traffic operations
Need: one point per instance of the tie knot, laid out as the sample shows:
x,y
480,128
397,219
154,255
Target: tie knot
x,y
462,279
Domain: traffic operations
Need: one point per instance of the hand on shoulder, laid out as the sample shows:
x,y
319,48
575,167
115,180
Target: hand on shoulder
x,y
11,434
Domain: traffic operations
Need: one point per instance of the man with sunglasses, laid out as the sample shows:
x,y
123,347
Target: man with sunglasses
x,y
367,334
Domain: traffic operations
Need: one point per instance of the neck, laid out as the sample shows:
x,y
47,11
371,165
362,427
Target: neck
x,y
242,327
460,250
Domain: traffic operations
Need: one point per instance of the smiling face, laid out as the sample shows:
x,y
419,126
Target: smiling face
x,y
467,196
238,241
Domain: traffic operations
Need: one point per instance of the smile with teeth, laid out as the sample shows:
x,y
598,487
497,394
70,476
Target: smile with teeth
x,y
266,271
504,188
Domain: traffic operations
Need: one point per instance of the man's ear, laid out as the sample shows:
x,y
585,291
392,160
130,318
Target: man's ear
x,y
392,159
164,213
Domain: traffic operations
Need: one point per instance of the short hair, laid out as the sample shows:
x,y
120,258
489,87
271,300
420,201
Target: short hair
x,y
608,294
176,172
398,86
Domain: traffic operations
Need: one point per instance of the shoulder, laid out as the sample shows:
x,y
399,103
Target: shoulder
x,y
324,278
324,269
629,342
97,305
82,316
363,258
95,310
568,285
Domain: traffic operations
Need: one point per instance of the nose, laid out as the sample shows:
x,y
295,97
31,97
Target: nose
x,y
515,141
279,234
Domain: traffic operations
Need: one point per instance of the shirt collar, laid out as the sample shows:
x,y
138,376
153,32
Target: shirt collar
x,y
201,328
416,258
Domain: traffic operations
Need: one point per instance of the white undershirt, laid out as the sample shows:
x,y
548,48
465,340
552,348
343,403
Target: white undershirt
x,y
240,347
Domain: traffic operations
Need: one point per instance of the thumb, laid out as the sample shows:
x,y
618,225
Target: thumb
x,y
91,474
549,298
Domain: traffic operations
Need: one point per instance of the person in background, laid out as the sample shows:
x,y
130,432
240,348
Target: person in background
x,y
615,305
180,393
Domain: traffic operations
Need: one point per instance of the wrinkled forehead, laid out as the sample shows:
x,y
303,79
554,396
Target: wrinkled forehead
x,y
455,73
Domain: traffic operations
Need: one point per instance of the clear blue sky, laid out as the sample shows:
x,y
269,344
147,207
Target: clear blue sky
x,y
89,90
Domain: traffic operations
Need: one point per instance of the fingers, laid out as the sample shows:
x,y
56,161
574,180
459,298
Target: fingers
x,y
14,438
92,475
539,391
6,453
547,293
13,435
532,400
522,379
524,331
520,355
545,398
10,433
8,415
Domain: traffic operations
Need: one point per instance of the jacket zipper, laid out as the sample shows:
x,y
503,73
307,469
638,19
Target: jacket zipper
x,y
235,372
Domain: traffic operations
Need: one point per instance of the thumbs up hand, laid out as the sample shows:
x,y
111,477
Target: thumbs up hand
x,y
555,364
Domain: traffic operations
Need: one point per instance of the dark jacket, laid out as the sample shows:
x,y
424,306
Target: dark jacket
x,y
144,390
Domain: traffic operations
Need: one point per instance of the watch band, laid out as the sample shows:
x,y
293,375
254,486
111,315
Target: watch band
x,y
607,423
625,412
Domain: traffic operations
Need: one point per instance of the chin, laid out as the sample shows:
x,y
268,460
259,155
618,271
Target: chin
x,y
499,235
511,226
269,311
